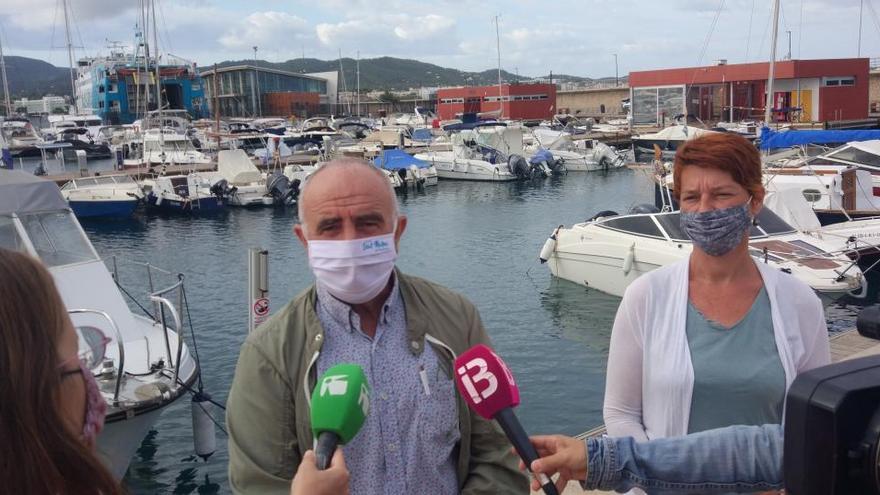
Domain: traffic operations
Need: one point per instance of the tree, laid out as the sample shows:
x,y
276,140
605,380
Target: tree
x,y
389,97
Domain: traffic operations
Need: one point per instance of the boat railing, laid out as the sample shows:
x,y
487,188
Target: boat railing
x,y
166,305
120,370
168,302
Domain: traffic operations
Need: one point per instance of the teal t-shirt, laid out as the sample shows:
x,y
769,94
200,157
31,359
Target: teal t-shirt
x,y
738,375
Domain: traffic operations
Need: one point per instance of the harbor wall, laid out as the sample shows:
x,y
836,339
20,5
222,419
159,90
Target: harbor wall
x,y
605,103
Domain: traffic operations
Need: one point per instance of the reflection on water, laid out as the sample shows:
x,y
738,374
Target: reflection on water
x,y
481,240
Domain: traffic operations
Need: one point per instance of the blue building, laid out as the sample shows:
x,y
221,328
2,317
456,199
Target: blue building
x,y
121,88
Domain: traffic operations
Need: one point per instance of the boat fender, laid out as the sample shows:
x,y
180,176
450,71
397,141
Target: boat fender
x,y
629,259
204,436
549,246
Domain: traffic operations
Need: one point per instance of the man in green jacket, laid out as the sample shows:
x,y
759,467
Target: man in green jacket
x,y
405,332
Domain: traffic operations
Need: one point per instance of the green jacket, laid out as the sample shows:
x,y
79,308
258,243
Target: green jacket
x,y
267,412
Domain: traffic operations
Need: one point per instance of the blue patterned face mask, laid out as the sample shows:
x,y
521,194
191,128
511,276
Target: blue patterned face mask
x,y
717,232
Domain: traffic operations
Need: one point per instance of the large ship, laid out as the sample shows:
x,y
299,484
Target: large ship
x,y
120,88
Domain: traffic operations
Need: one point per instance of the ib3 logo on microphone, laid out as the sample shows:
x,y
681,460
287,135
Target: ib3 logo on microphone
x,y
482,375
334,385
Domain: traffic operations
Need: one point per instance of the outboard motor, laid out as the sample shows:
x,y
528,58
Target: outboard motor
x,y
518,166
644,208
602,214
416,174
281,190
221,189
541,164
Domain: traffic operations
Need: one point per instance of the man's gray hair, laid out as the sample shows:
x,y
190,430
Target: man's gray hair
x,y
348,162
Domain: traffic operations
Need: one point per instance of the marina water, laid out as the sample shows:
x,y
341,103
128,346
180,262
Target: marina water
x,y
480,239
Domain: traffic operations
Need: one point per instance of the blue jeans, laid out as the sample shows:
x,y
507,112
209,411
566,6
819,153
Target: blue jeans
x,y
732,459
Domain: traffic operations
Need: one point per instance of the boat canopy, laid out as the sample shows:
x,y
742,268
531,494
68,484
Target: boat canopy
x,y
24,193
422,135
237,168
771,139
471,125
397,160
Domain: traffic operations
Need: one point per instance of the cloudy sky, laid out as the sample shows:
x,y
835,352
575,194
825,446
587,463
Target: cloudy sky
x,y
577,37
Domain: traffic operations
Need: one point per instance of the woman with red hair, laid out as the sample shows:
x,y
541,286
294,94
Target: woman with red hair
x,y
716,339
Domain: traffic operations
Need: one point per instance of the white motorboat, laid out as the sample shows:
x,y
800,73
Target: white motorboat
x,y
147,366
103,196
835,192
243,183
161,147
190,193
582,155
668,139
488,152
20,136
859,237
409,171
609,251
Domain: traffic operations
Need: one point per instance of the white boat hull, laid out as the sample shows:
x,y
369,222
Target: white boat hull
x,y
120,440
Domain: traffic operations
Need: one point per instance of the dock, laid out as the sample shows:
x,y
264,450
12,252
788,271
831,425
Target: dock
x,y
844,345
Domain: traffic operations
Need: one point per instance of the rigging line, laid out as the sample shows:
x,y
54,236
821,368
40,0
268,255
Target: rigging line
x,y
873,14
800,29
78,34
702,54
165,29
766,28
749,36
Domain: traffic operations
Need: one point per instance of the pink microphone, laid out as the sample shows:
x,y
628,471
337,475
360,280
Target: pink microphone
x,y
488,387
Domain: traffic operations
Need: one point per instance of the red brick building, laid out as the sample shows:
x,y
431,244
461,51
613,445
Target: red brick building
x,y
822,90
519,101
287,103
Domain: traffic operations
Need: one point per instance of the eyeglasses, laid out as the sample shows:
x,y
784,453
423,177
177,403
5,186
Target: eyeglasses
x,y
92,346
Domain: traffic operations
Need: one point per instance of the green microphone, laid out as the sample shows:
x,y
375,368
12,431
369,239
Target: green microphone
x,y
340,403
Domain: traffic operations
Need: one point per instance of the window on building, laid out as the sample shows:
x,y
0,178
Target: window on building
x,y
839,81
602,108
113,87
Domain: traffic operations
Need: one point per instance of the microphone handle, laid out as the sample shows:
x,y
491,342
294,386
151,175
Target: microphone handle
x,y
326,446
520,440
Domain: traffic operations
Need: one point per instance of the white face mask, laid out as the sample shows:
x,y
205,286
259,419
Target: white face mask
x,y
353,271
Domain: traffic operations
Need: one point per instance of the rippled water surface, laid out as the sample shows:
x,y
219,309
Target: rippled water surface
x,y
479,239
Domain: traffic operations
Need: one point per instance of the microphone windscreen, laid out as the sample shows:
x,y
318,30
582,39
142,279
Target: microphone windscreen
x,y
485,382
340,402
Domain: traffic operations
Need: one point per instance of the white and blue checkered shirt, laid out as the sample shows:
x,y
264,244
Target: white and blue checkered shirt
x,y
407,443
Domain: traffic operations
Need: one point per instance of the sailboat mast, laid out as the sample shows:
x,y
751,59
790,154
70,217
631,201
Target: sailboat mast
x,y
769,103
359,82
158,80
498,47
145,36
8,103
70,57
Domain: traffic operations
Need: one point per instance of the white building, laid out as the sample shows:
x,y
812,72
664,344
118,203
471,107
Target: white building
x,y
45,105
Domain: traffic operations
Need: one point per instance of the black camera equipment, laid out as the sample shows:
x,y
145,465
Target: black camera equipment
x,y
832,424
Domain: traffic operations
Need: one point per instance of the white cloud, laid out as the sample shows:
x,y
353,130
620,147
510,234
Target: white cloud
x,y
264,28
43,14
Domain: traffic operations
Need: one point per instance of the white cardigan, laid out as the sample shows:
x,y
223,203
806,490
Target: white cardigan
x,y
650,376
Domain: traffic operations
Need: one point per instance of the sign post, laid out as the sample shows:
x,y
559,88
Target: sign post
x,y
258,287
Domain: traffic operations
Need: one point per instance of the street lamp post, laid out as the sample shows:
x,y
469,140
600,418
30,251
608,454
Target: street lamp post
x,y
258,98
616,77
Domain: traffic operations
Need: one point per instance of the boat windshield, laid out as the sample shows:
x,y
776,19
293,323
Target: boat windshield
x,y
634,224
9,238
768,224
56,237
170,146
852,154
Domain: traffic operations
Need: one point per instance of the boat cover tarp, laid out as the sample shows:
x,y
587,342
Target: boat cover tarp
x,y
771,139
472,125
397,160
541,155
423,135
791,206
22,193
237,168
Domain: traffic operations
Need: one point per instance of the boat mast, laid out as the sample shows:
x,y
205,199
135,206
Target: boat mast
x,y
769,103
158,80
5,83
358,65
145,37
498,46
70,57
